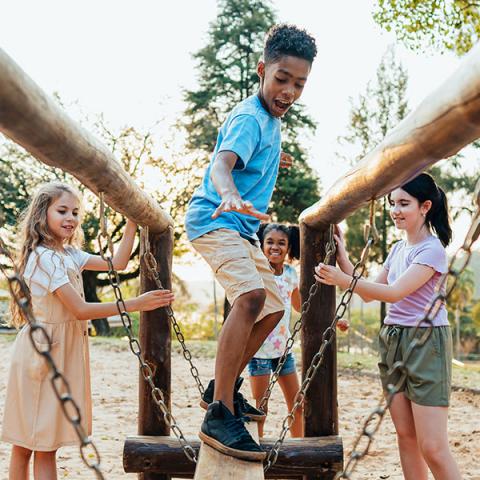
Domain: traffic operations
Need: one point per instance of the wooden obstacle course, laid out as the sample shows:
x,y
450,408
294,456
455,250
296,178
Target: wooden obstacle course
x,y
314,457
445,122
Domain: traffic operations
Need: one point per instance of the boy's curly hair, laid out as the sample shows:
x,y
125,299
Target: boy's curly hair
x,y
284,39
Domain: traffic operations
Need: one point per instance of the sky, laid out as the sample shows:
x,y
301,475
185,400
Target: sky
x,y
132,61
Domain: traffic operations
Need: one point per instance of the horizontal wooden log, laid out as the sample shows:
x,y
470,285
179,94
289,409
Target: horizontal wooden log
x,y
444,123
34,121
298,456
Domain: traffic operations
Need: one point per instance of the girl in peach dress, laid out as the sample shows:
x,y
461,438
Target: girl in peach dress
x,y
51,264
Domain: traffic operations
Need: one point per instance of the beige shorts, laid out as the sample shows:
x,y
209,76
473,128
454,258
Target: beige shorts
x,y
239,267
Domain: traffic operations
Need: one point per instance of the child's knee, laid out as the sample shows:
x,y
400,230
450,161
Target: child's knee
x,y
433,450
21,452
253,301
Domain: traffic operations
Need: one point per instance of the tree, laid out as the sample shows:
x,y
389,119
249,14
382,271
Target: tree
x,y
442,25
382,106
459,300
227,75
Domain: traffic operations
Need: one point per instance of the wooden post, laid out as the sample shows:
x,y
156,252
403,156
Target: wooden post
x,y
156,345
320,409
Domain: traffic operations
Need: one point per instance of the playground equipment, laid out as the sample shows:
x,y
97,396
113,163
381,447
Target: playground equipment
x,y
444,123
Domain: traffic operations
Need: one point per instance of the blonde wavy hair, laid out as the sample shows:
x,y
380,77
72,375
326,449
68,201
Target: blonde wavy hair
x,y
33,231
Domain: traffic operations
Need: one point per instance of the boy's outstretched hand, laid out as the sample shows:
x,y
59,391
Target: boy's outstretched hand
x,y
286,160
233,202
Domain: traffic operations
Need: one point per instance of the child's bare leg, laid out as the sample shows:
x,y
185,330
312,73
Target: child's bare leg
x,y
45,466
431,427
19,463
259,333
411,458
259,385
290,386
231,349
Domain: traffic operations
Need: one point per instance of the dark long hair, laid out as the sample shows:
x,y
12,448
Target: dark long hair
x,y
423,187
291,231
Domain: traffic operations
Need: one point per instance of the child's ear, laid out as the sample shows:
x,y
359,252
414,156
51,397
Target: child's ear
x,y
261,69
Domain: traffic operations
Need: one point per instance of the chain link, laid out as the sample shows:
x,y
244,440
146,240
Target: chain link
x,y
152,270
442,293
328,335
21,296
145,369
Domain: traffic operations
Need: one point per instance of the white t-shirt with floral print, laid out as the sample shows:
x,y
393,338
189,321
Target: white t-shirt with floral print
x,y
274,345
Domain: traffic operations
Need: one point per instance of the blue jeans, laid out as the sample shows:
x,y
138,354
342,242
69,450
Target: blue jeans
x,y
265,366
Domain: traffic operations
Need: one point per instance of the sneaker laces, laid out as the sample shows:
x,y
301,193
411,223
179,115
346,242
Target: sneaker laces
x,y
237,429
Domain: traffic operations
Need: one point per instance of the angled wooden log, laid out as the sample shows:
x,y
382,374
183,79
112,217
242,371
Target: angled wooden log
x,y
445,122
33,120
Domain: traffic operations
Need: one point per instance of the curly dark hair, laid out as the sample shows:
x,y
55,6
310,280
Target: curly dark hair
x,y
286,39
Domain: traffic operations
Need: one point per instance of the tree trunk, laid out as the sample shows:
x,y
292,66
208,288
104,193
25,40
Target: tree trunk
x,y
90,288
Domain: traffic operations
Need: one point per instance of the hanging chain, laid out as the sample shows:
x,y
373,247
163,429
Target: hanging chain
x,y
329,252
21,296
374,420
327,338
145,369
152,270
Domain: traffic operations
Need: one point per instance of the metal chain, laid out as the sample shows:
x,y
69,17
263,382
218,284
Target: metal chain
x,y
327,338
145,369
21,296
374,420
329,252
152,269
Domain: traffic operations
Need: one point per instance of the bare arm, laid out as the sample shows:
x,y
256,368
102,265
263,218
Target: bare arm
x,y
221,175
296,300
414,277
83,310
122,255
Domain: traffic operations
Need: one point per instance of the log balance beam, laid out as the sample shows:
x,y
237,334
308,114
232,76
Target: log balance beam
x,y
312,456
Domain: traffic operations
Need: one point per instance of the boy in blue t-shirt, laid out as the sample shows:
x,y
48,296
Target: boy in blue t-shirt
x,y
222,220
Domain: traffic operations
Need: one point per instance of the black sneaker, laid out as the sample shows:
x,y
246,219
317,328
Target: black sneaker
x,y
226,433
241,405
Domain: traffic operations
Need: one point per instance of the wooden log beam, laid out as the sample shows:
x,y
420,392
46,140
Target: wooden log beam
x,y
155,342
444,123
298,456
320,407
34,121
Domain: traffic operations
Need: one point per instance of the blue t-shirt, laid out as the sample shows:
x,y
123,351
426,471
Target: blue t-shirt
x,y
254,135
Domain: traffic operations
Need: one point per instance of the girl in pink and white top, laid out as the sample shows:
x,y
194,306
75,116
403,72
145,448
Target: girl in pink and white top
x,y
407,282
51,262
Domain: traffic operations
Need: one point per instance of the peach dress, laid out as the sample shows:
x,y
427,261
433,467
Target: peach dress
x,y
33,417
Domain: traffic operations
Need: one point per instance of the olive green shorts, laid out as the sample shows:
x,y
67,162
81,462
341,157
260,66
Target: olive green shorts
x,y
429,377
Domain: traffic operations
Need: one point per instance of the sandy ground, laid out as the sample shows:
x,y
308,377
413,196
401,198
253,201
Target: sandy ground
x,y
115,378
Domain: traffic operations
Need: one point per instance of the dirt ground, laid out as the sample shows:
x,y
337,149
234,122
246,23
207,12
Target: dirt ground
x,y
115,378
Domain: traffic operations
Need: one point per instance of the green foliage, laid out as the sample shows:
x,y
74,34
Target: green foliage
x,y
441,25
227,75
476,316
